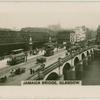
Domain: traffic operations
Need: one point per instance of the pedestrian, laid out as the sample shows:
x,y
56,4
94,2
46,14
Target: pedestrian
x,y
31,71
66,52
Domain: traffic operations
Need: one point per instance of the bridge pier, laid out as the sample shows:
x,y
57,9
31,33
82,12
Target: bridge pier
x,y
61,77
69,72
89,59
40,75
79,70
92,56
72,76
84,62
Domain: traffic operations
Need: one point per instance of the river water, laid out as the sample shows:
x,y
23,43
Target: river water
x,y
91,73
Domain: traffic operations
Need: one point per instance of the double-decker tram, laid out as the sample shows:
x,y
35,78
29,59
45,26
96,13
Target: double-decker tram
x,y
49,50
16,57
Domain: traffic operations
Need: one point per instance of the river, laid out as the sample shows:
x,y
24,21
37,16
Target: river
x,y
91,73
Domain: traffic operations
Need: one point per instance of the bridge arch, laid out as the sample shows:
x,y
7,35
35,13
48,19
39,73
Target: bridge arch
x,y
83,56
76,61
92,51
53,76
67,71
88,53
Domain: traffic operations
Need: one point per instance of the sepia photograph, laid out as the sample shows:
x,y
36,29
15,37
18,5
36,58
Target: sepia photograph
x,y
49,43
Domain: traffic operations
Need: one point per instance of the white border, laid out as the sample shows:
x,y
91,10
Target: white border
x,y
49,91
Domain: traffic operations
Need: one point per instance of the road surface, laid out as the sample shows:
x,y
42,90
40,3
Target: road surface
x,y
16,80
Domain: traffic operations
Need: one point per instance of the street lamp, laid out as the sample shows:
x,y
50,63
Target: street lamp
x,y
30,44
50,40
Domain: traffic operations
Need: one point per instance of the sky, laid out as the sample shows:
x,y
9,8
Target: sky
x,y
17,15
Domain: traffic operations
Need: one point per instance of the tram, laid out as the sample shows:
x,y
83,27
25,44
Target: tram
x,y
16,57
49,50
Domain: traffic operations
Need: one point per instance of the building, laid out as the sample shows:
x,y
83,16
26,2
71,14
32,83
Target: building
x,y
80,33
72,37
10,40
98,35
39,35
66,37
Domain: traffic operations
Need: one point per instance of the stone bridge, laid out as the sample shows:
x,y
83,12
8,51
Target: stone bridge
x,y
73,66
70,67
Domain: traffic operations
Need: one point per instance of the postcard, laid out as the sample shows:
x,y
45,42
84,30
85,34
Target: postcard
x,y
49,49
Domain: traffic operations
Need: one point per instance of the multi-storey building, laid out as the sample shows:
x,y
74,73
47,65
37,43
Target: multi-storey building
x,y
11,39
80,33
98,35
38,34
72,37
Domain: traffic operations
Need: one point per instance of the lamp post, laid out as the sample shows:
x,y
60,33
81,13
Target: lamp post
x,y
30,44
50,40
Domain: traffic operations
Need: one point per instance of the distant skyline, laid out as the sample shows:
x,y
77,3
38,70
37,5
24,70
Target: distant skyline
x,y
42,14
